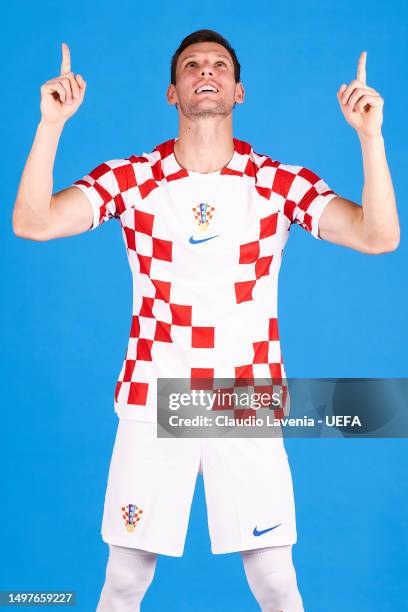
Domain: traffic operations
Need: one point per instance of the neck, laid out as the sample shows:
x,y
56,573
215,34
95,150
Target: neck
x,y
205,145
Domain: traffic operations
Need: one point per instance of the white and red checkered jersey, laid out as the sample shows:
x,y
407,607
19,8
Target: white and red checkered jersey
x,y
205,252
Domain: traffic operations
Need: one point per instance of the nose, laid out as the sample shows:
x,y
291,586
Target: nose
x,y
206,70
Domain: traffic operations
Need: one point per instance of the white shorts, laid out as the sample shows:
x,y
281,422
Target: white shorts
x,y
151,482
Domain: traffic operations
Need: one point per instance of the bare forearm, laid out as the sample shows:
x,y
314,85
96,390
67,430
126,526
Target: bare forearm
x,y
32,205
380,215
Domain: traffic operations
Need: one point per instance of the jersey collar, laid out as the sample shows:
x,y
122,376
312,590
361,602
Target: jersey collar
x,y
172,170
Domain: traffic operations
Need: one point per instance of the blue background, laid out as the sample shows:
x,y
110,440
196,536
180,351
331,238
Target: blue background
x,y
66,304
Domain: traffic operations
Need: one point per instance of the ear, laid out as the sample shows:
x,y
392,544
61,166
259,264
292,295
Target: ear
x,y
239,93
171,94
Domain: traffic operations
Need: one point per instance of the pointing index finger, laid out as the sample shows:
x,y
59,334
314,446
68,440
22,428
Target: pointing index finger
x,y
361,68
66,59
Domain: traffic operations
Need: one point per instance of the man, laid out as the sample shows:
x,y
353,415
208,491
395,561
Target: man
x,y
204,219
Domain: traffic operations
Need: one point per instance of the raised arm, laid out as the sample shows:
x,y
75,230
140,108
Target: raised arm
x,y
38,213
372,228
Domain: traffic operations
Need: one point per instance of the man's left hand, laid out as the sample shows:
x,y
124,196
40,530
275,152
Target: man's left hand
x,y
361,105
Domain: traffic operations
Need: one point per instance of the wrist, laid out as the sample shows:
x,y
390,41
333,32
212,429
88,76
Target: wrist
x,y
371,138
56,126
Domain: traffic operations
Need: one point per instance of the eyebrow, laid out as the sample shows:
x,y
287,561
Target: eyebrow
x,y
195,55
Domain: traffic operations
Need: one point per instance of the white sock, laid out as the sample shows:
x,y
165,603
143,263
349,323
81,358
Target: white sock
x,y
272,578
129,573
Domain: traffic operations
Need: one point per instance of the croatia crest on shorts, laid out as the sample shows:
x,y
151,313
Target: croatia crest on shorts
x,y
131,515
203,213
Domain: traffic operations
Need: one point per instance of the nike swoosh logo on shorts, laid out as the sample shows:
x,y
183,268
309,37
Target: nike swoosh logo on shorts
x,y
258,533
192,241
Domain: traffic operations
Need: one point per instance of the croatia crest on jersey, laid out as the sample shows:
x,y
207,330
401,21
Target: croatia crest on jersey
x,y
203,213
131,515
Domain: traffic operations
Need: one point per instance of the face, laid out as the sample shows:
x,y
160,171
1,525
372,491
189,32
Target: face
x,y
205,83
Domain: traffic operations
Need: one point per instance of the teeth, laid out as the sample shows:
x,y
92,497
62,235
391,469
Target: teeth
x,y
206,88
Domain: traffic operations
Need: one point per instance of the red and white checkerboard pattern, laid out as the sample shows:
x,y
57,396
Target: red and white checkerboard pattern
x,y
130,522
208,310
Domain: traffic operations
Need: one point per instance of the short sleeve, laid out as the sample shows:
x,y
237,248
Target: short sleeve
x,y
105,187
307,198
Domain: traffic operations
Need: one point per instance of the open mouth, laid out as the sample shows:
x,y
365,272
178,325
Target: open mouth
x,y
206,89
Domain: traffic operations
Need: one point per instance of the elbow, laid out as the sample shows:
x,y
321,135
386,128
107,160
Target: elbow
x,y
393,245
18,228
15,226
18,231
22,233
386,246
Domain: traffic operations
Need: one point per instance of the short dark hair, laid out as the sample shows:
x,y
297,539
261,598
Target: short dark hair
x,y
204,36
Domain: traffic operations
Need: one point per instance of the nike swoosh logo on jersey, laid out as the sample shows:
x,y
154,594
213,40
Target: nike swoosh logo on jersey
x,y
193,241
258,533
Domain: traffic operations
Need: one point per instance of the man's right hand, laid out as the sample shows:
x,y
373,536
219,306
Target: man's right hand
x,y
62,96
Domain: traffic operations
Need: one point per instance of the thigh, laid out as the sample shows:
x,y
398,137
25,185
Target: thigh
x,y
150,488
249,493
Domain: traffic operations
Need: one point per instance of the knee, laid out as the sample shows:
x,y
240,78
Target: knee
x,y
130,574
120,580
279,592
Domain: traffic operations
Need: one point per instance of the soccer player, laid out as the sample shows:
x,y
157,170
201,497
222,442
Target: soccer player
x,y
204,219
